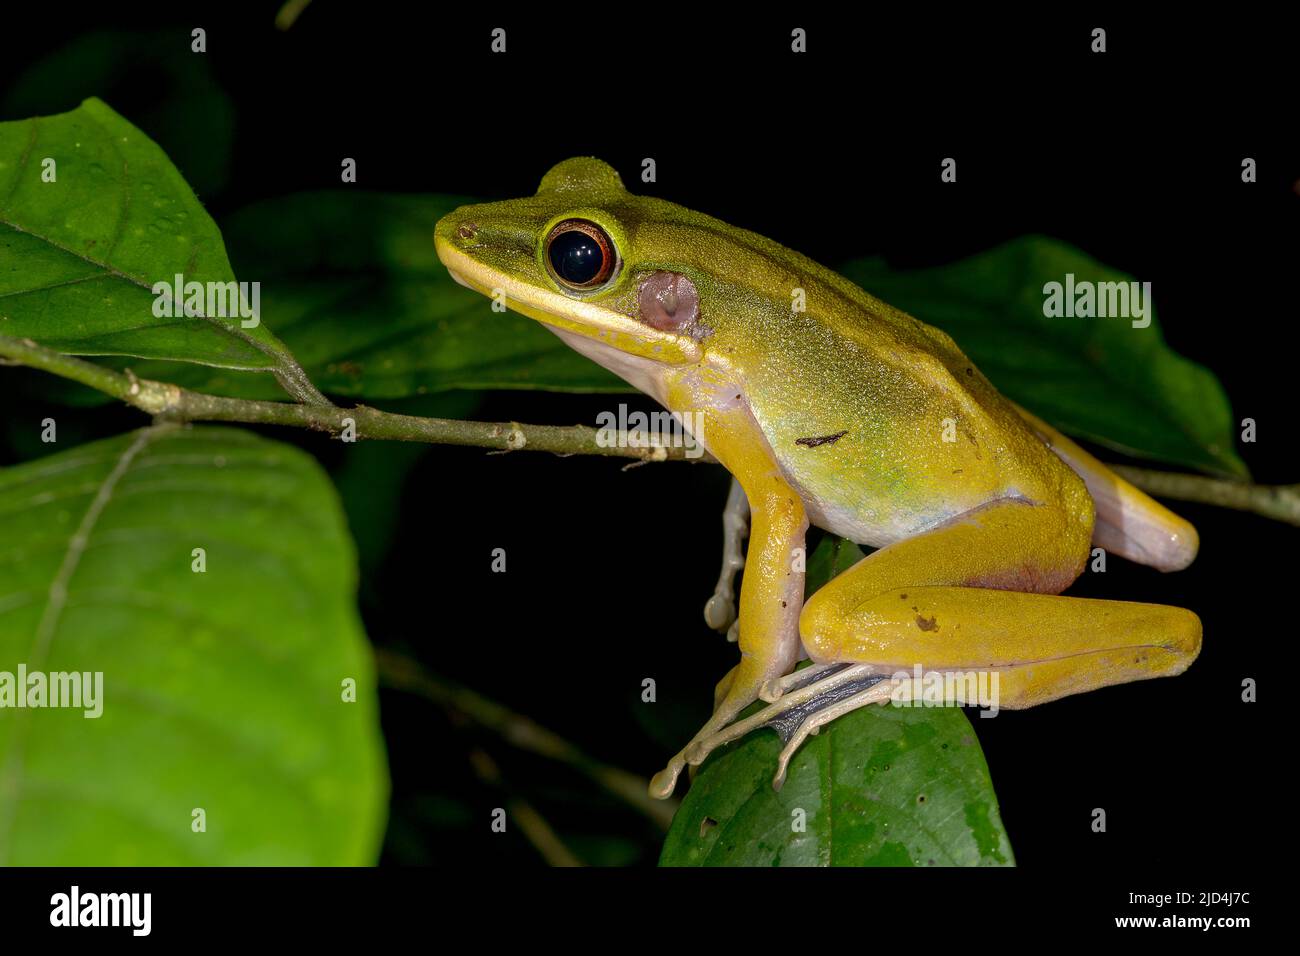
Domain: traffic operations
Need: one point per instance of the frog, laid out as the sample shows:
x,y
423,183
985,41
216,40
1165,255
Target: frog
x,y
833,409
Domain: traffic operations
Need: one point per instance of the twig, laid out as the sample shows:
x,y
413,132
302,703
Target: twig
x,y
289,13
522,732
534,826
1281,502
165,401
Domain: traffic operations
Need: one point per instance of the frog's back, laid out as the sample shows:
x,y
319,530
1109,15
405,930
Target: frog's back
x,y
879,420
902,432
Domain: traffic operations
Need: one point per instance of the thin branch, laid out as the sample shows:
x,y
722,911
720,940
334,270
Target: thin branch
x,y
522,732
534,826
165,401
1280,502
171,402
289,13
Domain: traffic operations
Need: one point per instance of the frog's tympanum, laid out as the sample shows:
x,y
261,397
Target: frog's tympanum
x,y
829,406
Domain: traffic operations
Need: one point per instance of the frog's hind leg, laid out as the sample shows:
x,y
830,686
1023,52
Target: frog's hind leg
x,y
943,601
720,610
1129,522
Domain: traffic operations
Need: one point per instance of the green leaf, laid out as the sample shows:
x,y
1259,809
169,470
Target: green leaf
x,y
80,255
353,285
881,786
831,558
1096,378
221,690
181,107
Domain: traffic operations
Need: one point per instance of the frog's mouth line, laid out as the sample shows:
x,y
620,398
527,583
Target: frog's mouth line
x,y
571,315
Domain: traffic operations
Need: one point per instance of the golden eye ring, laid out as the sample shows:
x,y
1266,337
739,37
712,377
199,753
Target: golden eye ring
x,y
580,255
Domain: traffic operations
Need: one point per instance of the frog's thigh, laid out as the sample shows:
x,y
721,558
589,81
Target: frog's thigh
x,y
938,601
1129,522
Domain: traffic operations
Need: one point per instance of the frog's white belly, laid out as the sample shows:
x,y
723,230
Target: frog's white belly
x,y
872,530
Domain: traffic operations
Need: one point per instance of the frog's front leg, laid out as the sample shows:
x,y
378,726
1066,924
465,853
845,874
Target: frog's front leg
x,y
977,594
771,592
720,610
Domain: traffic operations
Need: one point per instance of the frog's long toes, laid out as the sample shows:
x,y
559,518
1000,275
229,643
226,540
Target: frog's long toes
x,y
799,723
794,716
773,690
798,703
778,781
822,706
804,677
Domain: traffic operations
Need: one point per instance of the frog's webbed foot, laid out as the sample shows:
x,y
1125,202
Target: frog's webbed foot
x,y
805,701
801,721
720,610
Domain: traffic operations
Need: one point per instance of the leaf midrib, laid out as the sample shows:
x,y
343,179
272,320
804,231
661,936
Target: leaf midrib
x,y
56,600
106,266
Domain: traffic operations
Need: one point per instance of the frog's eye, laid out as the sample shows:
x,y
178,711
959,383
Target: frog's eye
x,y
580,254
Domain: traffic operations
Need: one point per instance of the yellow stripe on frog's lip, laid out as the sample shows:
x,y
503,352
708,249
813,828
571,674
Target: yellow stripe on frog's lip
x,y
572,315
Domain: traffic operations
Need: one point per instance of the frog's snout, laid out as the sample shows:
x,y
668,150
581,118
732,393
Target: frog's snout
x,y
457,226
452,231
443,246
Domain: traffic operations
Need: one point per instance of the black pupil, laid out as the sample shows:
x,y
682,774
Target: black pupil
x,y
576,257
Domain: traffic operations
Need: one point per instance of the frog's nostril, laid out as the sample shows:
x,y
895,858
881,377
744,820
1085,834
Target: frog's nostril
x,y
467,230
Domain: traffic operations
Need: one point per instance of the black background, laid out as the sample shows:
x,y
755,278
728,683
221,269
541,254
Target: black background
x,y
1133,155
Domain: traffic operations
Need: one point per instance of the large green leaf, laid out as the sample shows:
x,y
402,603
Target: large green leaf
x,y
882,786
222,690
80,254
354,287
1097,378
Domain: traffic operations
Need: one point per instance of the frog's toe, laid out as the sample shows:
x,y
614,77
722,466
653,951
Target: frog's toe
x,y
774,690
799,723
720,610
664,782
822,687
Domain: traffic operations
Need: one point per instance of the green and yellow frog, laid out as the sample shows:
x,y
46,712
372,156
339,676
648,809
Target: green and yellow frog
x,y
832,408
